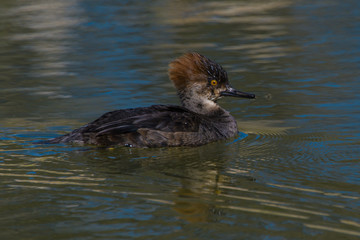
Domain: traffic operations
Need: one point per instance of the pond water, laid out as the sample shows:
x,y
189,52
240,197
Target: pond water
x,y
292,173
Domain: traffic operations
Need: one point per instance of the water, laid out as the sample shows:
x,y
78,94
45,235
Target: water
x,y
293,172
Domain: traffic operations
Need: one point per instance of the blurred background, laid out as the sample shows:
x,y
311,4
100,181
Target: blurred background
x,y
292,173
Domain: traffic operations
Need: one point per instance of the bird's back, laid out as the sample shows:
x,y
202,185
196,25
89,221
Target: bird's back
x,y
155,126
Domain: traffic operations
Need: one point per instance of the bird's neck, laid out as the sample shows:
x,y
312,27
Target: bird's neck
x,y
198,103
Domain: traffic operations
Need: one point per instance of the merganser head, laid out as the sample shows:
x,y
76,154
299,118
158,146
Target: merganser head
x,y
200,82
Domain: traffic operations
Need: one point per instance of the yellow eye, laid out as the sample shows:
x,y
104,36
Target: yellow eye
x,y
213,82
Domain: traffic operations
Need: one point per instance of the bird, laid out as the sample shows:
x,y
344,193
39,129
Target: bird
x,y
200,83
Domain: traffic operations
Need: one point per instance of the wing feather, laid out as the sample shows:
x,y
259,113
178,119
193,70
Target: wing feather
x,y
159,117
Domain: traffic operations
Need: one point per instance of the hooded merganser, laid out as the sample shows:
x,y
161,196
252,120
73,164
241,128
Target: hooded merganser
x,y
200,82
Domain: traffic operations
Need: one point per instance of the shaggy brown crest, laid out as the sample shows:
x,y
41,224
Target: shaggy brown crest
x,y
193,67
